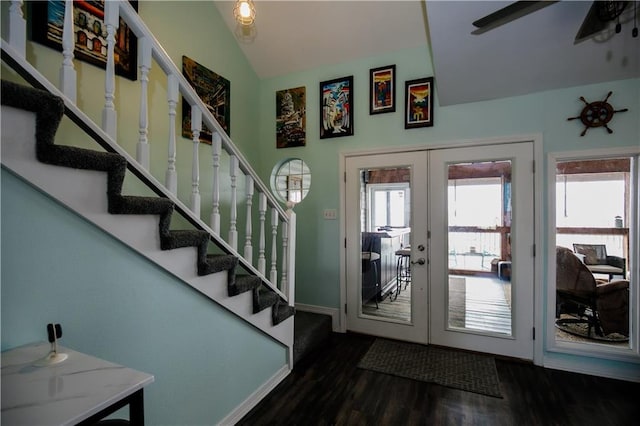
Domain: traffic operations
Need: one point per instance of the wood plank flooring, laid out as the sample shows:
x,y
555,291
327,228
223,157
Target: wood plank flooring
x,y
326,388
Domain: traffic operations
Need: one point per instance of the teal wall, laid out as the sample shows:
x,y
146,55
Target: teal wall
x,y
546,113
111,302
115,304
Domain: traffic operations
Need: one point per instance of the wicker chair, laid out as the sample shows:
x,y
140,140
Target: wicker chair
x,y
602,305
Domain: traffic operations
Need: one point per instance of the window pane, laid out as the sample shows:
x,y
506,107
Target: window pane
x,y
396,208
593,200
475,202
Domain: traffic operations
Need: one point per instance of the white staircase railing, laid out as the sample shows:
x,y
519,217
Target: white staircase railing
x,y
280,233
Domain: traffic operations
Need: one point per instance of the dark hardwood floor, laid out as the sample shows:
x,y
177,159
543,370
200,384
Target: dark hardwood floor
x,y
326,388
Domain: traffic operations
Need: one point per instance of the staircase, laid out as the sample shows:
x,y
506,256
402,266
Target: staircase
x,y
258,290
48,111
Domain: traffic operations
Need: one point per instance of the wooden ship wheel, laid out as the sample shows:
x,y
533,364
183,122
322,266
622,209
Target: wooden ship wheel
x,y
596,114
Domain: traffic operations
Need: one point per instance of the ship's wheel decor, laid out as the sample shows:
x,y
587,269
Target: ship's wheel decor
x,y
596,114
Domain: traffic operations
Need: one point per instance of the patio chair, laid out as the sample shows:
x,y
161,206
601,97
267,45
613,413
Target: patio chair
x,y
596,258
602,305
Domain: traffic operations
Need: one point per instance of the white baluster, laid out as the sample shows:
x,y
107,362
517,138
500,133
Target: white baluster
x,y
248,248
109,116
67,70
285,248
196,126
273,274
171,177
262,211
17,36
233,232
290,288
144,61
216,148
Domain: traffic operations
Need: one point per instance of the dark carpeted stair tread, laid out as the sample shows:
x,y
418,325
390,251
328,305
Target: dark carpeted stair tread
x,y
264,298
131,204
85,159
311,331
216,263
243,283
81,158
49,111
281,311
183,238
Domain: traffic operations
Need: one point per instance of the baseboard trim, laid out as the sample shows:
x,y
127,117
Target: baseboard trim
x,y
248,404
332,312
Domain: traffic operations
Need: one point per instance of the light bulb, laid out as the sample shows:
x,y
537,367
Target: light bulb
x,y
245,10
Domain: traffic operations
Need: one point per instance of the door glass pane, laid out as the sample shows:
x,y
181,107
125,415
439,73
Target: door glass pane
x,y
479,231
593,199
385,230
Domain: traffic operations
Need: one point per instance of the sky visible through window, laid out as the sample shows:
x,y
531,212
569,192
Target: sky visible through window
x,y
589,201
475,202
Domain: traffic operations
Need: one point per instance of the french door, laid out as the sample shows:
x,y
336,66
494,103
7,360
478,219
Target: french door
x,y
482,223
386,197
439,247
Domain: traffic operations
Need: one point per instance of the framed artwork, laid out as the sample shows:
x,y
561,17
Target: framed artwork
x,y
215,92
382,89
336,108
90,34
418,105
291,117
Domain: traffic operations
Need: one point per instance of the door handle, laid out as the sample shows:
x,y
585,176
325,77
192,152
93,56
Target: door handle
x,y
420,261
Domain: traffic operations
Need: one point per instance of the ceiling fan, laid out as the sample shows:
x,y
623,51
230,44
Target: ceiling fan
x,y
599,15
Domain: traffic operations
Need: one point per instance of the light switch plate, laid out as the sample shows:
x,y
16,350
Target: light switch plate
x,y
330,214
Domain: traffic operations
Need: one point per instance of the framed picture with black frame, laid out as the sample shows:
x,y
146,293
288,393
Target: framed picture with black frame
x,y
418,104
336,108
90,34
382,89
214,90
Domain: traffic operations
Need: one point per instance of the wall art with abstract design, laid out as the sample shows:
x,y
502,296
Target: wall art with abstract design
x,y
291,117
418,107
336,108
382,91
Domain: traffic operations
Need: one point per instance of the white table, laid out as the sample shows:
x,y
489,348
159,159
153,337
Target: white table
x,y
80,390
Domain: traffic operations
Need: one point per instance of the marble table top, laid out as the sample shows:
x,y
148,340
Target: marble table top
x,y
64,393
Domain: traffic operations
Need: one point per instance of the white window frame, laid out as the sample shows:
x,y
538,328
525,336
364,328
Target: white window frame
x,y
380,187
630,353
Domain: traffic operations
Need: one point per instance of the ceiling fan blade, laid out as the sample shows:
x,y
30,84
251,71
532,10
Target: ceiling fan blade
x,y
593,23
507,14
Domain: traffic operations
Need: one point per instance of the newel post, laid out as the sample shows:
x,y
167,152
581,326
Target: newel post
x,y
290,291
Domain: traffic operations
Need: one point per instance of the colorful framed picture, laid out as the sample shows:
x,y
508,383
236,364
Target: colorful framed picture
x,y
382,89
215,92
90,34
418,105
291,117
336,108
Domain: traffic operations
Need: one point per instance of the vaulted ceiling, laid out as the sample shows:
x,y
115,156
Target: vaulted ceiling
x,y
533,53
